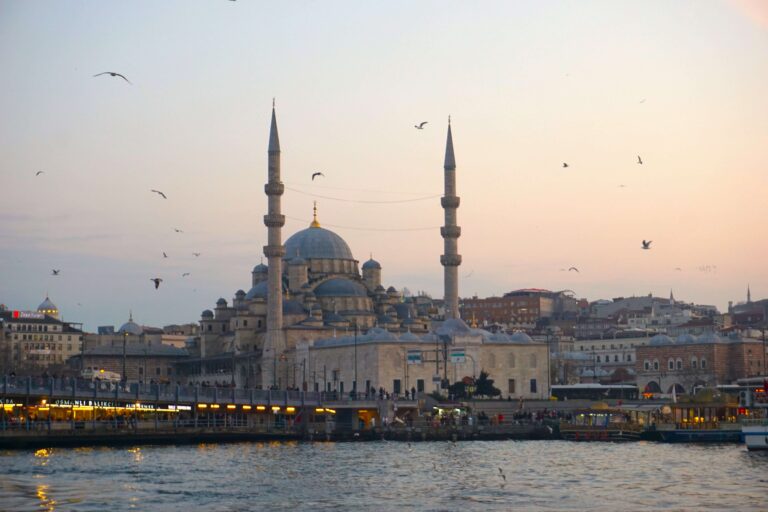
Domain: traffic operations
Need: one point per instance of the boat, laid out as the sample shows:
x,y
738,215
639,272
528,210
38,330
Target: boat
x,y
601,423
696,422
755,434
754,398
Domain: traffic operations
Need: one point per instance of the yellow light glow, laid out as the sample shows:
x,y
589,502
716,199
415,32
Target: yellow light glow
x,y
319,409
43,401
246,407
261,408
332,411
290,409
275,408
43,409
214,406
202,406
230,407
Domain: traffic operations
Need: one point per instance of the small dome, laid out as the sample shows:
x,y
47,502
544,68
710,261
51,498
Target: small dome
x,y
371,264
333,318
379,334
520,337
660,339
297,261
207,314
131,327
685,339
453,326
339,287
380,290
391,289
260,269
500,337
709,337
47,306
292,307
258,291
240,294
318,243
409,336
221,302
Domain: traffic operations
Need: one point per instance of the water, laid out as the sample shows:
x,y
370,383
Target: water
x,y
383,476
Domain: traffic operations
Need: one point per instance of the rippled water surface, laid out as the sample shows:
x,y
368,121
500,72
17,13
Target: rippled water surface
x,y
535,475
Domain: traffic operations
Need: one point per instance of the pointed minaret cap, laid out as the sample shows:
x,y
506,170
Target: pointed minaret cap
x,y
450,160
274,140
749,295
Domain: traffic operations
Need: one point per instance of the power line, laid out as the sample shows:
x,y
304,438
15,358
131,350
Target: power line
x,y
361,200
347,189
366,229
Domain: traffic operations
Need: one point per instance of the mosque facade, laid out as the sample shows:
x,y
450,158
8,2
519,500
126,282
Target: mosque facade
x,y
315,319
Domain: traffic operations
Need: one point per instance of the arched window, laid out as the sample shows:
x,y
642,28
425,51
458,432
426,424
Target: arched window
x,y
647,365
679,363
703,363
629,357
694,363
598,359
655,364
671,364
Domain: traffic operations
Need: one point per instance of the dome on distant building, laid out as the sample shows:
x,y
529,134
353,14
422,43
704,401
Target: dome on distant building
x,y
409,336
520,337
339,287
48,308
661,339
371,264
259,291
453,326
709,337
207,314
292,307
296,261
131,327
222,302
391,289
260,269
686,338
240,294
318,243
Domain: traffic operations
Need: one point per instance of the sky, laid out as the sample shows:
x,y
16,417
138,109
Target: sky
x,y
529,85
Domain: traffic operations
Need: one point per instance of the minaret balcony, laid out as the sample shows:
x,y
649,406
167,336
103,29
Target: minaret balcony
x,y
274,251
274,220
450,260
450,231
274,189
450,201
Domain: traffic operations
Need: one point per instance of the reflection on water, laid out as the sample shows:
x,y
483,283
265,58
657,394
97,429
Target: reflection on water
x,y
531,475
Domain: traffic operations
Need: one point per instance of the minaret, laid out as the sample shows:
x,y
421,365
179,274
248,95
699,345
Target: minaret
x,y
749,295
451,259
274,251
671,297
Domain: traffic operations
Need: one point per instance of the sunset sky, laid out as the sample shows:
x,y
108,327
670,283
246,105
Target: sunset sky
x,y
528,85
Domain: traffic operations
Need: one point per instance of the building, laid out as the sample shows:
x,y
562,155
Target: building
x,y
688,362
37,341
313,299
516,310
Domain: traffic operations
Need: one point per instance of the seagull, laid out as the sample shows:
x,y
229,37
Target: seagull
x,y
470,274
195,254
38,173
622,186
177,230
420,126
565,165
316,174
185,274
574,268
647,245
164,255
678,269
639,160
112,73
157,282
642,100
158,192
502,475
55,272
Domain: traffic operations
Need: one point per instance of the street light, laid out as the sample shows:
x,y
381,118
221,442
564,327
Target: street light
x,y
354,384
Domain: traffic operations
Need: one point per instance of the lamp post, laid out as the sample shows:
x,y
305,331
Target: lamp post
x,y
125,341
354,384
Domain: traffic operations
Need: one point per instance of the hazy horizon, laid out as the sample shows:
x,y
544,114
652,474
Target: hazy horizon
x,y
528,86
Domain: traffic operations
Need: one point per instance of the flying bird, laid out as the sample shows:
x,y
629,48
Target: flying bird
x,y
157,282
639,160
177,230
470,274
195,254
112,73
38,173
678,269
158,192
55,272
622,186
164,255
642,100
647,245
565,165
502,475
185,274
574,268
316,174
420,126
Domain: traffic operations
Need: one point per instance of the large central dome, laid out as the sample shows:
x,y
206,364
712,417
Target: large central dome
x,y
317,243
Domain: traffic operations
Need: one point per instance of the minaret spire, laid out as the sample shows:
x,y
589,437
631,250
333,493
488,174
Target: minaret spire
x,y
274,251
749,295
450,232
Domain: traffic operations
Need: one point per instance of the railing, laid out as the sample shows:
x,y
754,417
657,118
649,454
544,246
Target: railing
x,y
128,425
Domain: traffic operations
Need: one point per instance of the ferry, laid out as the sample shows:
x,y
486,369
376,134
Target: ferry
x,y
604,423
754,396
697,422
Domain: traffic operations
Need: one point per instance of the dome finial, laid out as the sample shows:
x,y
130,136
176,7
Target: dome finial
x,y
130,315
314,223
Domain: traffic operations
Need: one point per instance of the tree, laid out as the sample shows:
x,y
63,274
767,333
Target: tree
x,y
484,385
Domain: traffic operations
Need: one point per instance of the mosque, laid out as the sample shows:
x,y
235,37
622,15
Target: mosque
x,y
315,319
